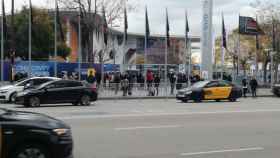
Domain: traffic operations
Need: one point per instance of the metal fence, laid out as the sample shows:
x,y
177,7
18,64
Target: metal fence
x,y
113,90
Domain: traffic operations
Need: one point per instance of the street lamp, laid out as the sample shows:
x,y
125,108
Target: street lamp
x,y
272,53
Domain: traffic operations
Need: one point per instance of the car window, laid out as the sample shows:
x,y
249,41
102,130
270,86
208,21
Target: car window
x,y
38,82
23,83
224,84
212,84
73,84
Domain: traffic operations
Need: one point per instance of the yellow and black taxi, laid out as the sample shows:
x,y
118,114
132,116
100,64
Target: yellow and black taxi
x,y
33,135
210,90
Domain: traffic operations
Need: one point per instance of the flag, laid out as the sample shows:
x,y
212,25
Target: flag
x,y
167,30
187,29
274,35
4,20
249,26
257,39
59,24
125,24
224,33
31,12
147,26
104,26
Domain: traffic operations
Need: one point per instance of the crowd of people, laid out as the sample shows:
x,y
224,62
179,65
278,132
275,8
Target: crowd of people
x,y
250,85
150,82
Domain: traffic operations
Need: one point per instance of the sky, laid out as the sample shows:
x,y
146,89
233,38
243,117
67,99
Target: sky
x,y
176,9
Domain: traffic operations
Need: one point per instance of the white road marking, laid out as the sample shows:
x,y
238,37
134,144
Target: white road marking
x,y
163,114
147,127
222,151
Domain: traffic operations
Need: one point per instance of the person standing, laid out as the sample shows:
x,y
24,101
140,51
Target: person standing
x,y
91,78
157,83
254,86
150,79
244,87
172,80
125,85
116,81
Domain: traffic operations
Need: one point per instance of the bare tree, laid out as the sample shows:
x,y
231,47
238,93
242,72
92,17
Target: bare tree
x,y
91,21
268,13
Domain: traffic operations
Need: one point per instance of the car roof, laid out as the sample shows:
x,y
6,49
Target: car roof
x,y
54,78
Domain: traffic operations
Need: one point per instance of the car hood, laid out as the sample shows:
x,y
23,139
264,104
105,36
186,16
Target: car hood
x,y
33,120
6,87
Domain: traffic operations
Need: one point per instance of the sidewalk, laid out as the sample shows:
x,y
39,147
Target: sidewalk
x,y
142,94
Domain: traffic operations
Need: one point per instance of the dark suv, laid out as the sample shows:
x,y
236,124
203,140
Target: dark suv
x,y
32,135
56,92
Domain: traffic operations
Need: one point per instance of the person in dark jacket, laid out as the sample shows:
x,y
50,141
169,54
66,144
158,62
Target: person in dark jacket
x,y
172,80
157,82
254,86
244,87
117,80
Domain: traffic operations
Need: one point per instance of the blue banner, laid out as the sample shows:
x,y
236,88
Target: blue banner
x,y
45,68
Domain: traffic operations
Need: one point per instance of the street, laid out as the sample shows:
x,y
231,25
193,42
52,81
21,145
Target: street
x,y
170,129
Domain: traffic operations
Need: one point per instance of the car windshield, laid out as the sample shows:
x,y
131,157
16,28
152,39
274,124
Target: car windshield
x,y
200,84
20,81
44,85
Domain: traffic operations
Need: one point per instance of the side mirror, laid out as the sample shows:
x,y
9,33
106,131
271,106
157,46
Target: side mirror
x,y
28,85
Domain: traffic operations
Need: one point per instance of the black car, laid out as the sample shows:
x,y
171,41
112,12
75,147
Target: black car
x,y
56,92
276,90
33,135
210,90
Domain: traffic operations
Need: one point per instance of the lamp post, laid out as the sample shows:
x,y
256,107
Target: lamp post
x,y
272,53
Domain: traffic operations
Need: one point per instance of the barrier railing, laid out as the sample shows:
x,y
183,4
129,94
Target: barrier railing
x,y
113,90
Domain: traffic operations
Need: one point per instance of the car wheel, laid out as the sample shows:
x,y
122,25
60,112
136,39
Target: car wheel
x,y
34,102
185,101
232,99
75,103
85,100
31,151
13,97
217,100
198,100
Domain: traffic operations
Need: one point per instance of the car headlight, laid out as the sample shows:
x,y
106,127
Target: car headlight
x,y
4,91
61,131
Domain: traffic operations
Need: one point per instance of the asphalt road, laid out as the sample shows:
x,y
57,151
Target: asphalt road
x,y
169,129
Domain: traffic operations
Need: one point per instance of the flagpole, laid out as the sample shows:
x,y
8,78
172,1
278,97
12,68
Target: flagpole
x,y
2,45
124,44
166,52
30,41
238,53
55,40
80,41
146,46
190,63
